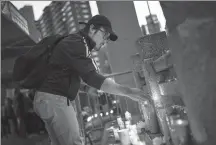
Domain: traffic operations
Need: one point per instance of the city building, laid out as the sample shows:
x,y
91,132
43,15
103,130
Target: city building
x,y
143,29
28,14
11,12
63,17
153,24
45,24
14,33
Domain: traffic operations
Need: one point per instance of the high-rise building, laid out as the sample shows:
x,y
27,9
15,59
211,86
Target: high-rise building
x,y
153,24
28,14
63,17
45,24
143,29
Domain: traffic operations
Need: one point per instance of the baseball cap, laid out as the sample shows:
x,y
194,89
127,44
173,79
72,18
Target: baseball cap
x,y
103,21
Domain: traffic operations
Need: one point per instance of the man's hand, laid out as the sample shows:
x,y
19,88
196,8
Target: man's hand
x,y
135,94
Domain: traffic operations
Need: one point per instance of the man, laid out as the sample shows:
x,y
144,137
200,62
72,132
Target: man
x,y
10,116
70,62
20,112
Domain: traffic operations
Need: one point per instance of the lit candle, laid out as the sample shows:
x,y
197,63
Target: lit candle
x,y
95,115
111,111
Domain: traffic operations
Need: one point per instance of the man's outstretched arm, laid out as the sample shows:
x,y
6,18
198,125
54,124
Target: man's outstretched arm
x,y
112,87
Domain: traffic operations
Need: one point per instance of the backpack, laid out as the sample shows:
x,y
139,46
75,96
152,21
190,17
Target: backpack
x,y
31,68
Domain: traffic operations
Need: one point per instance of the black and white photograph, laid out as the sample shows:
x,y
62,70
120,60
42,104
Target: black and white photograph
x,y
108,72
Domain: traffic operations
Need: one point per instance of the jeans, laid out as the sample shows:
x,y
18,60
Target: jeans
x,y
59,118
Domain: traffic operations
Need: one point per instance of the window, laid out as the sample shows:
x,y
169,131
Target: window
x,y
44,29
76,5
85,10
82,1
78,16
72,24
64,19
70,13
67,3
86,16
43,24
60,29
42,21
69,8
83,6
71,19
74,29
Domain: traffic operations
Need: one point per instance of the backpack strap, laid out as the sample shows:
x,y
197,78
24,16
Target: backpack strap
x,y
52,46
50,50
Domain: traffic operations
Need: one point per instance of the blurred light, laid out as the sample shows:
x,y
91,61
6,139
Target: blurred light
x,y
145,102
156,97
101,114
89,118
167,51
114,102
95,115
161,90
111,111
179,121
112,79
107,113
100,91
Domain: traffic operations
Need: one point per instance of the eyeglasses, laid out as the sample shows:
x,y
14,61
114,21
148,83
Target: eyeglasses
x,y
106,35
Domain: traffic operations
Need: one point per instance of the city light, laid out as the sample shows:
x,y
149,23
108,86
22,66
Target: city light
x,y
179,121
89,118
111,111
145,102
101,114
107,113
95,115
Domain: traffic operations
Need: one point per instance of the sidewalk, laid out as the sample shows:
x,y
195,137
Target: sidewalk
x,y
31,140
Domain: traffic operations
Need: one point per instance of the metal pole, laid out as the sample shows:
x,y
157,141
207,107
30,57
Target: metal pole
x,y
149,8
79,112
117,74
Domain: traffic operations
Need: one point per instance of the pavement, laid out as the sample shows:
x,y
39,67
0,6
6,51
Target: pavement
x,y
33,139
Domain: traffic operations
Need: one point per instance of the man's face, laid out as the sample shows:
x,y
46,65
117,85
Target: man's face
x,y
100,37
